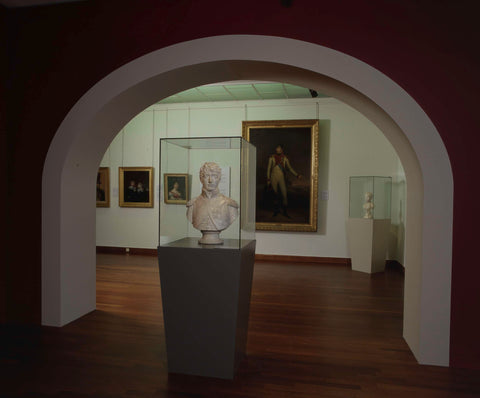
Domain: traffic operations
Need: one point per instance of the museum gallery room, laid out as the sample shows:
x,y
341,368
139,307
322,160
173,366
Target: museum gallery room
x,y
260,199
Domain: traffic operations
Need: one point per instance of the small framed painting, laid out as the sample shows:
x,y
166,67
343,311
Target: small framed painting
x,y
103,187
135,186
175,188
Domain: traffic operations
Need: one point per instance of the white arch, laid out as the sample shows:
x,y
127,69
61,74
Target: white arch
x,y
68,214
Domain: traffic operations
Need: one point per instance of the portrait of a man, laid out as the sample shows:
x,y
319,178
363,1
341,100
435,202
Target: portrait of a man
x,y
278,167
287,173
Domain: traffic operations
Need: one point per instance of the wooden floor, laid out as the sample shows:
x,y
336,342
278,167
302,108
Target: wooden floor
x,y
315,331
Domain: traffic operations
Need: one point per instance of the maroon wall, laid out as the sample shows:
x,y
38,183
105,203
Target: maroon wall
x,y
429,47
3,147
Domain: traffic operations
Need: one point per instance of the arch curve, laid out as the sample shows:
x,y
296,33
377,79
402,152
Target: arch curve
x,y
68,216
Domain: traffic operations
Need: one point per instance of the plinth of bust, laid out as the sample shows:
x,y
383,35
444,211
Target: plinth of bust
x,y
210,238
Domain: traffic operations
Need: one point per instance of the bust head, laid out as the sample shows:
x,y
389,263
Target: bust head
x,y
210,174
368,196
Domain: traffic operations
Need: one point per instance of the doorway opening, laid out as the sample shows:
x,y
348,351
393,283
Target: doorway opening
x,y
68,263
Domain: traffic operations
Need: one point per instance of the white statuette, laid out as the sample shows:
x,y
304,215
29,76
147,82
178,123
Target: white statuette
x,y
368,205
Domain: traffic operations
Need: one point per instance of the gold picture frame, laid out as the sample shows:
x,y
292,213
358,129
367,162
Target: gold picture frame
x,y
135,187
175,188
103,187
287,173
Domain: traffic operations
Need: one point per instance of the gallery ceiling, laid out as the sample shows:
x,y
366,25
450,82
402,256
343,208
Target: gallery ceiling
x,y
240,91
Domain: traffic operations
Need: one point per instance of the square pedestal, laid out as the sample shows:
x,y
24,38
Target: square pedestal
x,y
367,240
206,303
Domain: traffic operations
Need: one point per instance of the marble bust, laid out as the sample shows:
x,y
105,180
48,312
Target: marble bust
x,y
211,212
368,205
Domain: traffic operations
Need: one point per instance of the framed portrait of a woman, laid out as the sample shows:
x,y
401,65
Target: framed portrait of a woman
x,y
175,188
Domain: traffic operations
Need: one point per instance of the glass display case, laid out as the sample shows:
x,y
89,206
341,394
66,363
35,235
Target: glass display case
x,y
370,197
180,163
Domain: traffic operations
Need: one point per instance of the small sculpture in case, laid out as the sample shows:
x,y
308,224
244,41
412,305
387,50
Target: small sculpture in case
x,y
368,205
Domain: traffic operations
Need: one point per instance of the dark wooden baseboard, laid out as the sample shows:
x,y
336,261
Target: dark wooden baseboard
x,y
258,257
391,264
124,250
303,259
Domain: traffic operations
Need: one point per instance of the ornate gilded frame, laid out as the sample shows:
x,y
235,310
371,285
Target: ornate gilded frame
x,y
121,187
185,177
248,128
105,172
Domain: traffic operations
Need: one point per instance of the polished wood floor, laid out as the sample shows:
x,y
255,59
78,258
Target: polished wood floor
x,y
315,331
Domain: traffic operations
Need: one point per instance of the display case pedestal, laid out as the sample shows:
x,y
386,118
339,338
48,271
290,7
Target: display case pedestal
x,y
367,240
206,303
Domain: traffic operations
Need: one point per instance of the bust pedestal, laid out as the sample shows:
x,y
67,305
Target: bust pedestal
x,y
367,241
206,303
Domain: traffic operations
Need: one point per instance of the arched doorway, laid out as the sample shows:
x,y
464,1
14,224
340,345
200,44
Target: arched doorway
x,y
68,231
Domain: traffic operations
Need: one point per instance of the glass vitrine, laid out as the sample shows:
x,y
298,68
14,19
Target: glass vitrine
x,y
370,197
180,163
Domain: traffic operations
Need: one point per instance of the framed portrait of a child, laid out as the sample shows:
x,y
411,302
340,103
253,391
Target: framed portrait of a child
x,y
135,186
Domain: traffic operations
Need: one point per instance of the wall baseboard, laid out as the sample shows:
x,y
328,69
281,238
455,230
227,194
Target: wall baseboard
x,y
124,250
392,264
303,259
258,257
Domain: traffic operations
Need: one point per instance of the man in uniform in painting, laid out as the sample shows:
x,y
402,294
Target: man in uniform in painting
x,y
211,212
278,165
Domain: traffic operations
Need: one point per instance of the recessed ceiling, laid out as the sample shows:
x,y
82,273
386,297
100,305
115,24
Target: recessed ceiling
x,y
240,91
30,3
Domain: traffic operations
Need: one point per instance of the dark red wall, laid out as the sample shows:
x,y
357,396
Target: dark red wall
x,y
56,53
3,148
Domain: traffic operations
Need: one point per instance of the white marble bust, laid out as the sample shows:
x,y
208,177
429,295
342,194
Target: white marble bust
x,y
211,212
368,205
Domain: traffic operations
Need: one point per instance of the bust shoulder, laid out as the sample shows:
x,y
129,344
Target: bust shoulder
x,y
191,202
230,202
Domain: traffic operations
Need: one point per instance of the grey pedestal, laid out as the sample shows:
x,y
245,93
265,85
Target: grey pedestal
x,y
206,302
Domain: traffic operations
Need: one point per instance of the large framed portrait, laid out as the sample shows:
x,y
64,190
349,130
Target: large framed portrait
x,y
287,173
103,187
135,186
175,188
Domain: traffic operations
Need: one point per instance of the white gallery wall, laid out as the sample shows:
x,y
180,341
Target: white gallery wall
x,y
349,145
